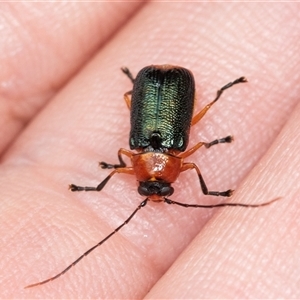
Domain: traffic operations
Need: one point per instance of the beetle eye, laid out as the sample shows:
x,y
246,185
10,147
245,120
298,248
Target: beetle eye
x,y
166,191
143,191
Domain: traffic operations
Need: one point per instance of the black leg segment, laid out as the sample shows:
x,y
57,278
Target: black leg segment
x,y
229,85
98,188
227,139
105,165
187,166
126,71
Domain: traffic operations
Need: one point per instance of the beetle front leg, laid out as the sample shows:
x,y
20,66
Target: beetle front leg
x,y
99,187
189,166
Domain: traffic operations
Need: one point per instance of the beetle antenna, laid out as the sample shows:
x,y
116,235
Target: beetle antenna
x,y
142,204
169,201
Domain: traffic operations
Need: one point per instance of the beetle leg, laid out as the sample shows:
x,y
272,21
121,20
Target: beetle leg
x,y
191,150
227,139
122,164
201,114
120,168
127,98
126,71
99,187
188,166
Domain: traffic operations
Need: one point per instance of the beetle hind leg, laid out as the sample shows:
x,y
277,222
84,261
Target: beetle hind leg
x,y
127,72
127,96
202,113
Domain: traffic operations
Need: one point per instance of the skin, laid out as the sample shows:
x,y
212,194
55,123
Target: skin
x,y
72,115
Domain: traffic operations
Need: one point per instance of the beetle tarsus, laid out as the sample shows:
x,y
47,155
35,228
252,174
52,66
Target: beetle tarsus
x,y
105,165
229,85
75,188
127,72
121,163
227,139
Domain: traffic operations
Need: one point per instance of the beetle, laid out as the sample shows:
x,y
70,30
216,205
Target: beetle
x,y
161,107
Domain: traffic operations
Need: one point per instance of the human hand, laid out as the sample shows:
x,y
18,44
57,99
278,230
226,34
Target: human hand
x,y
238,252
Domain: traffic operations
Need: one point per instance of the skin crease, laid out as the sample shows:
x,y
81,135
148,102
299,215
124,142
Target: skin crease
x,y
237,252
53,50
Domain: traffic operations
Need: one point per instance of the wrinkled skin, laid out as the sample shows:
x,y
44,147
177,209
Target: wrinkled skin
x,y
61,111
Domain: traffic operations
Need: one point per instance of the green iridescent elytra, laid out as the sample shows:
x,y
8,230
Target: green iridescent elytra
x,y
162,108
